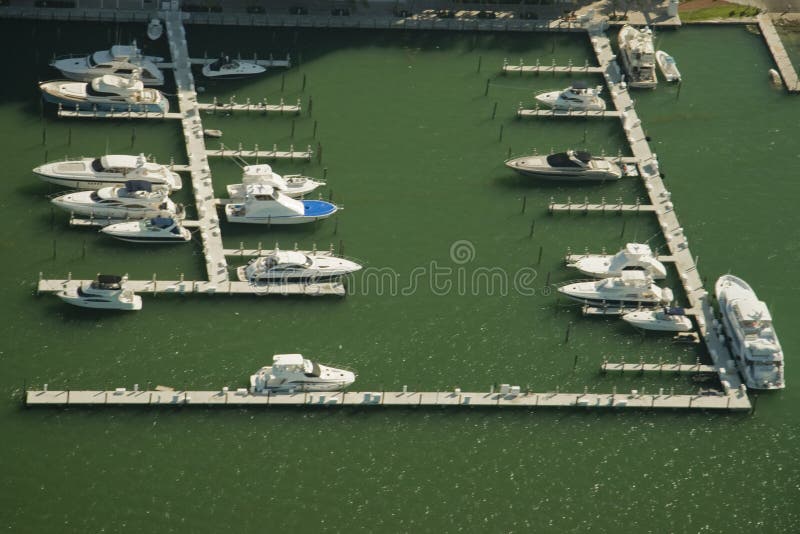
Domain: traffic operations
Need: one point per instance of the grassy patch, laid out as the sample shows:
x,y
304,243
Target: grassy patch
x,y
719,12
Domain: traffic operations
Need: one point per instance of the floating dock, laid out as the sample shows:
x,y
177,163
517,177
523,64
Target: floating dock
x,y
291,154
779,55
269,63
681,368
551,69
583,114
602,207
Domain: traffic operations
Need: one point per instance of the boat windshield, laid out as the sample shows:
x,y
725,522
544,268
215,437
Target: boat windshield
x,y
311,369
90,60
97,165
91,91
561,159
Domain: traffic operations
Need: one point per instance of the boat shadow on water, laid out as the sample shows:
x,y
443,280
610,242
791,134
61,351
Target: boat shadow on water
x,y
515,181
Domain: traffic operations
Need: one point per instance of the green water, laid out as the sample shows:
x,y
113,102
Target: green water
x,y
412,152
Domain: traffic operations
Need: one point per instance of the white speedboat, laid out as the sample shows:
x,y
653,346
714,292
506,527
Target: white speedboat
x,y
107,292
293,185
284,266
635,256
292,372
632,289
106,93
752,337
136,200
638,56
668,67
228,69
212,133
158,230
775,78
664,320
120,60
569,165
578,97
263,204
155,29
94,173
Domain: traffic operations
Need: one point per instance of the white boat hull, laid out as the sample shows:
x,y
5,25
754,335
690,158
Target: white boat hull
x,y
648,320
71,297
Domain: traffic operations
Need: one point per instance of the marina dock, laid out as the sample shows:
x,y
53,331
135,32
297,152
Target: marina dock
x,y
681,368
521,112
291,154
538,68
776,48
602,207
269,63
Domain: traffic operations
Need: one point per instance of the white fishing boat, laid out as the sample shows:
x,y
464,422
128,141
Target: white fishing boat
x,y
155,29
228,69
158,230
106,93
212,133
292,372
136,200
569,165
120,60
632,289
107,292
638,56
109,170
751,335
293,185
578,97
661,320
288,266
634,257
668,67
775,78
263,204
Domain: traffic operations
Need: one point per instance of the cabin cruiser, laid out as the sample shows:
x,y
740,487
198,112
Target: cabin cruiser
x,y
752,337
635,256
569,165
664,320
291,372
155,29
120,60
578,97
631,289
106,292
293,185
263,204
105,93
136,200
227,68
638,56
158,230
294,266
668,67
94,173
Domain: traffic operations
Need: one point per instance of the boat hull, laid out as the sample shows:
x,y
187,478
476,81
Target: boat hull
x,y
646,320
72,298
549,173
268,278
83,104
92,182
315,210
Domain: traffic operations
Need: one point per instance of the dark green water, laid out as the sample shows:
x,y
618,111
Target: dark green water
x,y
413,154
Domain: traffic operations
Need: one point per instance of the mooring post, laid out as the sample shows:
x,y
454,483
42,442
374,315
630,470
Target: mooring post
x,y
541,250
304,83
501,133
524,202
533,228
622,233
292,134
54,248
494,111
486,92
480,58
314,134
569,328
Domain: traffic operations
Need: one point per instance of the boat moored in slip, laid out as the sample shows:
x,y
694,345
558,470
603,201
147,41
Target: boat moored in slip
x,y
661,320
263,204
291,266
106,93
136,200
120,60
638,56
569,165
109,170
291,185
635,256
293,372
668,67
158,230
750,333
106,292
632,289
226,68
578,97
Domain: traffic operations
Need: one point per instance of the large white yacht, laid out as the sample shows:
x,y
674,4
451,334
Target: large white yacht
x,y
136,200
635,256
578,97
106,292
663,320
121,60
638,56
293,185
285,266
263,204
752,338
113,169
106,93
229,69
158,230
569,165
632,289
292,372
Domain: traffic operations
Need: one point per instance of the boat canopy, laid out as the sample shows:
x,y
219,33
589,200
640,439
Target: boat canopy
x,y
138,185
109,278
162,222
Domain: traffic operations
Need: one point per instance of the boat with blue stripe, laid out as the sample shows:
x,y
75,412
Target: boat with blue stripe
x,y
264,204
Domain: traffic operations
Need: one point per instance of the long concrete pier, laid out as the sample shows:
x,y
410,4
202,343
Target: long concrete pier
x,y
776,48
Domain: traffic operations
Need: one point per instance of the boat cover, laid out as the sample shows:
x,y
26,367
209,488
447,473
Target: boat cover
x,y
138,185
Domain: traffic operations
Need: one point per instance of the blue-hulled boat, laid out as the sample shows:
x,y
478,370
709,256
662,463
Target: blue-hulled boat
x,y
265,205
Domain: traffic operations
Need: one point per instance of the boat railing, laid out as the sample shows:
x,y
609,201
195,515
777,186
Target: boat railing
x,y
576,281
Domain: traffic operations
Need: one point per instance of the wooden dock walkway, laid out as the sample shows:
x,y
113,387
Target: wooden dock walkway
x,y
608,367
524,113
603,207
291,154
538,68
779,55
130,115
260,106
269,63
242,398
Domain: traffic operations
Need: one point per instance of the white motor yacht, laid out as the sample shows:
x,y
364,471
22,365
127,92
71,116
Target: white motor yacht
x,y
285,266
664,320
632,289
113,169
569,165
136,200
107,292
292,372
635,256
263,204
293,185
106,93
752,337
578,97
228,69
155,29
668,67
158,230
120,60
638,56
